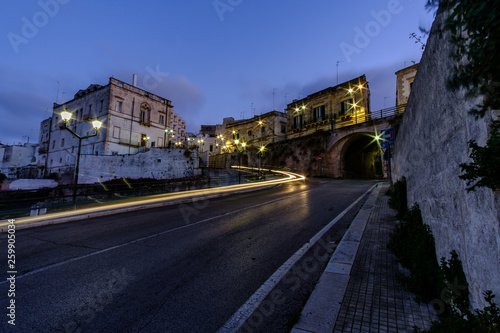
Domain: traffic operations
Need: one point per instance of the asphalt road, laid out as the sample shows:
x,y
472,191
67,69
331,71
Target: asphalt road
x,y
184,268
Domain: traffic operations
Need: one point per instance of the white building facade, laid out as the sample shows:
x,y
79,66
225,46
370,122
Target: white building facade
x,y
133,120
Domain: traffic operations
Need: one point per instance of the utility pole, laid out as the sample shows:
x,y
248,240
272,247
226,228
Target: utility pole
x,y
273,96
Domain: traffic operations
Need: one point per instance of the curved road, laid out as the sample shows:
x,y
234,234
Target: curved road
x,y
182,268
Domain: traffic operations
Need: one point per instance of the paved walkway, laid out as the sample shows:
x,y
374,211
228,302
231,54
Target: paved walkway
x,y
372,300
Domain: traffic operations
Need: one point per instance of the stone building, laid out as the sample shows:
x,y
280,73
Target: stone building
x,y
260,130
344,104
133,120
19,161
404,83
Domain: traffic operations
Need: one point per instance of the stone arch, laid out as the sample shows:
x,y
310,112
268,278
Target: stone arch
x,y
355,155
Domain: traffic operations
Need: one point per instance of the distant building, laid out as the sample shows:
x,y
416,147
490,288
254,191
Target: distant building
x,y
257,131
404,82
343,103
134,120
208,130
19,161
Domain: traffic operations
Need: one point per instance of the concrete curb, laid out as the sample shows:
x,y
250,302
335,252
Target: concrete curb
x,y
323,306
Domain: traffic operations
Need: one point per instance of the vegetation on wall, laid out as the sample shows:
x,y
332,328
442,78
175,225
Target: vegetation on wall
x,y
475,31
444,286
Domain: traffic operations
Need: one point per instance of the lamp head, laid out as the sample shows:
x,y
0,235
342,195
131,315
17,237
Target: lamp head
x,y
66,115
96,124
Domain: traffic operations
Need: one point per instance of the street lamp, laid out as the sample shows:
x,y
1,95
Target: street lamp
x,y
240,154
96,124
166,136
388,144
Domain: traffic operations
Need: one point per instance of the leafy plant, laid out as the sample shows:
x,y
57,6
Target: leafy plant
x,y
484,170
398,200
413,243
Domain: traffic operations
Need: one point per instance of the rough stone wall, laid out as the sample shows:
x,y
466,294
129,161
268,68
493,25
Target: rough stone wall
x,y
156,163
430,145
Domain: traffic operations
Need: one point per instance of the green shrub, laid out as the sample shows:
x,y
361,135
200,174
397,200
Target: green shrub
x,y
413,243
398,200
486,320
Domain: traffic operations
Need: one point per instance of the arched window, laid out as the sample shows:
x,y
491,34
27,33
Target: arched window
x,y
145,116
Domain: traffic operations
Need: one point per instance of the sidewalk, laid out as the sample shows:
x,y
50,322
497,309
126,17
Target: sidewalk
x,y
358,291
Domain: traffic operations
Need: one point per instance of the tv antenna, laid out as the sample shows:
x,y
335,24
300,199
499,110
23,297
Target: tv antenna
x,y
338,62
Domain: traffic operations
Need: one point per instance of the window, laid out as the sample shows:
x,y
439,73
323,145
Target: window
x,y
118,106
62,142
283,128
345,106
319,113
55,123
263,130
162,119
211,147
90,109
116,132
100,109
145,114
297,121
249,133
160,142
53,144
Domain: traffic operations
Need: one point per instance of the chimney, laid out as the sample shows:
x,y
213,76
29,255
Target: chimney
x,y
134,80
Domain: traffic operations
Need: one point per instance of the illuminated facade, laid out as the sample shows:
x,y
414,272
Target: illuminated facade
x,y
133,120
343,103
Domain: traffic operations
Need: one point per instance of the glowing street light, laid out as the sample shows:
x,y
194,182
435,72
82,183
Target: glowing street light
x,y
96,124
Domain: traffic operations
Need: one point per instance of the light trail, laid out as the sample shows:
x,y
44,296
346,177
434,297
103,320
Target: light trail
x,y
152,201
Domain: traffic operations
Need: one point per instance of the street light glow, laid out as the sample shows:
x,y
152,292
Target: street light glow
x,y
96,124
66,115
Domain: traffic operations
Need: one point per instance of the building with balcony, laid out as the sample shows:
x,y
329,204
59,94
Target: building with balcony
x,y
133,120
340,105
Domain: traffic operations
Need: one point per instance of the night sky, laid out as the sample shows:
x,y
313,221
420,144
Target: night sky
x,y
212,59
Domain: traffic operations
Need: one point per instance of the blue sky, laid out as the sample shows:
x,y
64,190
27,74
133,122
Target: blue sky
x,y
212,58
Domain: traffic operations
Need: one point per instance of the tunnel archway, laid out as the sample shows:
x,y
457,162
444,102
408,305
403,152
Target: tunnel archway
x,y
361,158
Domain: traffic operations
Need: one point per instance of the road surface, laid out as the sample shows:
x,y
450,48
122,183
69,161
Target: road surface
x,y
184,268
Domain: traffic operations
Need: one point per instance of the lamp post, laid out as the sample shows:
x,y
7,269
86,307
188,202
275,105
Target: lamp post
x,y
166,136
96,124
240,154
389,157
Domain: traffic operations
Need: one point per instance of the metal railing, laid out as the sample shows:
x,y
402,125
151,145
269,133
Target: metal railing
x,y
352,119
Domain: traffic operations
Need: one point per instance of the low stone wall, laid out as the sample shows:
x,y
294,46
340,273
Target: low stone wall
x,y
158,163
430,145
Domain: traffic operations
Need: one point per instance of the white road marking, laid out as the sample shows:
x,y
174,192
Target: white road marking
x,y
245,311
39,270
